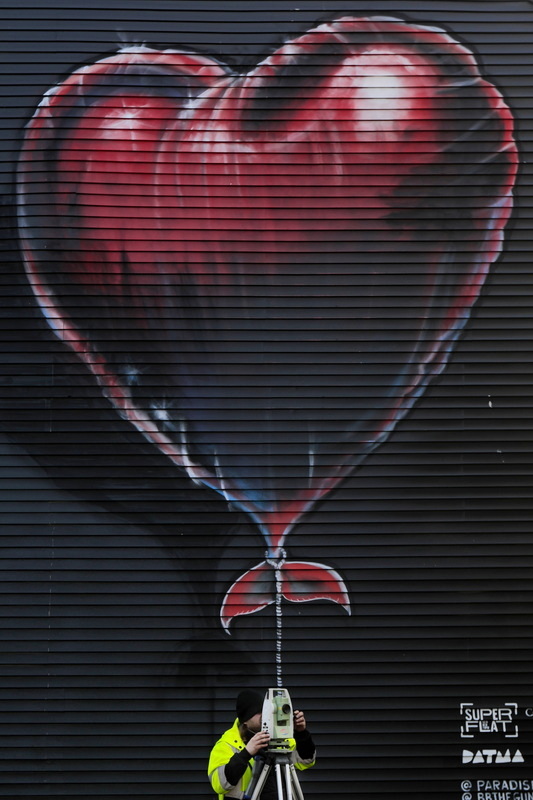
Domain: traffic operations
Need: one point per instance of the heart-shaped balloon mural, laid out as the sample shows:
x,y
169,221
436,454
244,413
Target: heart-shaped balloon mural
x,y
264,270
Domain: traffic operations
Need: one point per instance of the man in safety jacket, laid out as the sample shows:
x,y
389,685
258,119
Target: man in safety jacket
x,y
231,760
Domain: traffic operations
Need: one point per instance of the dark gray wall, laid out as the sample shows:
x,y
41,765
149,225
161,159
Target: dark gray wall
x,y
116,675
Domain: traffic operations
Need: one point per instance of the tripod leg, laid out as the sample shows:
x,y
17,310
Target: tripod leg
x,y
261,781
288,776
298,794
278,781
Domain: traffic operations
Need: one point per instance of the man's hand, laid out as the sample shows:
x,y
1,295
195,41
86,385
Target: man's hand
x,y
257,742
299,721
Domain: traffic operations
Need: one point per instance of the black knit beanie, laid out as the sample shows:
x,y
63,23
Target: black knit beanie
x,y
249,703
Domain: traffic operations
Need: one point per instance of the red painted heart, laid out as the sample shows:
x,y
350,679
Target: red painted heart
x,y
264,271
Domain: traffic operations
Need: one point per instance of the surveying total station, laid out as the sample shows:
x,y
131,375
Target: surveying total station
x,y
277,721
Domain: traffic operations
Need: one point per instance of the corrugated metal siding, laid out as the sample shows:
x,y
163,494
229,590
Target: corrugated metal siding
x,y
116,676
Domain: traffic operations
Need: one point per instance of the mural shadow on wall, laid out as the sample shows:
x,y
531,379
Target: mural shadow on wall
x,y
49,405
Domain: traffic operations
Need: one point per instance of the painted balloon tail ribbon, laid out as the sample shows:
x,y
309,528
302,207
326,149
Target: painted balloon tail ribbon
x,y
275,578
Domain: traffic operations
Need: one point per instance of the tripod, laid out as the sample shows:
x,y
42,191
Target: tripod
x,y
284,769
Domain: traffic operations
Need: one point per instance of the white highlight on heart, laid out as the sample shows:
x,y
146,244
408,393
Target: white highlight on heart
x,y
384,98
128,120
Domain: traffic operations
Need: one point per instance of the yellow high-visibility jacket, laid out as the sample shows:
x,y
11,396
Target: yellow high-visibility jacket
x,y
230,743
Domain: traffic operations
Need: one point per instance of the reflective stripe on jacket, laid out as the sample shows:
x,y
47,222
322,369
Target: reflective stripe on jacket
x,y
230,743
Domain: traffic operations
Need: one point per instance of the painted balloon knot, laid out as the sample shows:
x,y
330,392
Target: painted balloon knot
x,y
276,561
